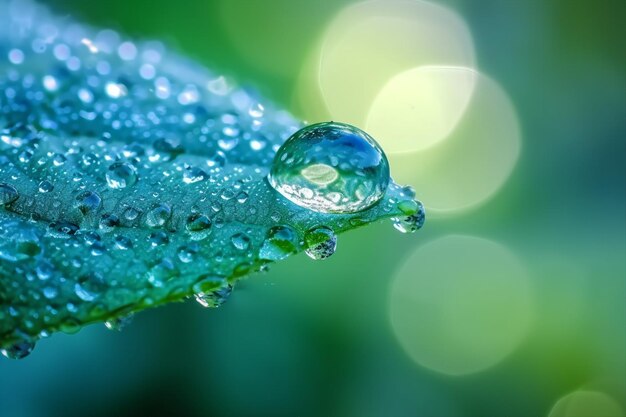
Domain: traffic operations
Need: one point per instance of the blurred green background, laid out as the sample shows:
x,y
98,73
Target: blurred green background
x,y
512,299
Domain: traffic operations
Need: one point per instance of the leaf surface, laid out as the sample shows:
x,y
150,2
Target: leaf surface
x,y
130,178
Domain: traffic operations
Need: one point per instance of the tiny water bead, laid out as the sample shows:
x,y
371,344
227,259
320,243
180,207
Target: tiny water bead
x,y
331,168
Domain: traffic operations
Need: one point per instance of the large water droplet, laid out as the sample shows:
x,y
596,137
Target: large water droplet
x,y
121,175
331,168
19,350
281,242
8,194
321,242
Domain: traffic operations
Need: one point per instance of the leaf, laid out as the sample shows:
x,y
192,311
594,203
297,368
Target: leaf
x,y
130,178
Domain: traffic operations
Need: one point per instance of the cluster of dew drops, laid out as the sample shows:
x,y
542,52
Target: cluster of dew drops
x,y
149,117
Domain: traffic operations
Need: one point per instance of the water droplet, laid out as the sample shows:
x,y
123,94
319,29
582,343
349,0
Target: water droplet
x,y
8,194
165,150
121,175
158,215
281,242
108,222
82,293
118,323
240,241
87,202
199,226
162,272
194,174
123,243
242,197
186,253
44,270
45,186
331,168
19,350
414,220
209,297
58,160
158,239
62,230
50,292
321,242
131,213
217,161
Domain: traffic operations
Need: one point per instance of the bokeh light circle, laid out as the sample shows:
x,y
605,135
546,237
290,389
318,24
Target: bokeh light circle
x,y
473,162
420,107
368,43
585,404
460,304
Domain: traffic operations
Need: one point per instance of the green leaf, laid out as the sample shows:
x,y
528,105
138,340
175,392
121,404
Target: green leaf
x,y
130,178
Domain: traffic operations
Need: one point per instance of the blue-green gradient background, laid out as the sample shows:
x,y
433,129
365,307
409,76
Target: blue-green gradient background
x,y
314,338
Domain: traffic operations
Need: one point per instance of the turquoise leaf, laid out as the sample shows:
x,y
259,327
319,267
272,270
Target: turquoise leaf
x,y
131,178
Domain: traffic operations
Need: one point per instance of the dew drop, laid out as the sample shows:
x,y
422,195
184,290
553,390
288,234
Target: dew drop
x,y
240,241
331,168
158,239
193,175
8,194
218,160
131,213
82,293
19,350
414,218
62,230
87,202
45,186
198,226
158,215
186,253
281,242
321,242
109,222
118,323
121,175
122,242
50,292
214,298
